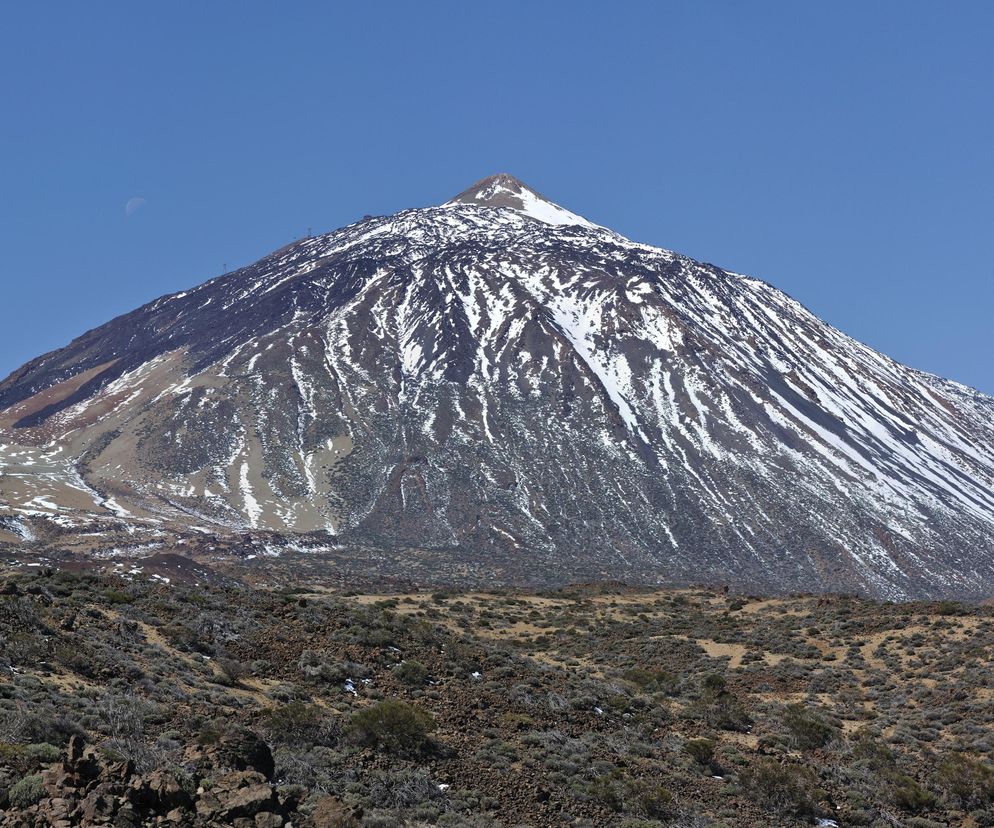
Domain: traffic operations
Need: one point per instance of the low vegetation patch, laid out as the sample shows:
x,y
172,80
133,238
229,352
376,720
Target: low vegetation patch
x,y
589,707
393,725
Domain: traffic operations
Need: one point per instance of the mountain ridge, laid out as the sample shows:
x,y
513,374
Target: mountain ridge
x,y
628,411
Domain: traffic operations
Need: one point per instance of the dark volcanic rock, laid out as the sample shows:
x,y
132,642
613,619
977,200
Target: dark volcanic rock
x,y
239,749
87,789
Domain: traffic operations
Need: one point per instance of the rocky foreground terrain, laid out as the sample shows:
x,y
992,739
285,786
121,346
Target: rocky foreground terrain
x,y
136,702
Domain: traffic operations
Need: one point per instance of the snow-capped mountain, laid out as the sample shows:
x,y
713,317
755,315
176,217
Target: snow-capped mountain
x,y
508,385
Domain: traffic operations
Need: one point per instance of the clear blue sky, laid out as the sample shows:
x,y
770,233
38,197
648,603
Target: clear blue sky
x,y
843,151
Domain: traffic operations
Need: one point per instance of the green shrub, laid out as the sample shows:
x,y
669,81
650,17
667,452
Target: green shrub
x,y
608,790
651,681
619,792
808,729
413,673
909,795
183,638
26,792
651,799
230,671
719,708
714,683
517,721
781,788
36,727
295,723
700,750
966,781
869,752
42,753
115,596
949,608
393,725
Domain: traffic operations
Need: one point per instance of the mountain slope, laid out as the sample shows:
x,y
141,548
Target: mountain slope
x,y
505,382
